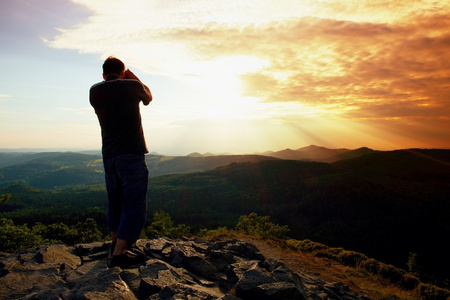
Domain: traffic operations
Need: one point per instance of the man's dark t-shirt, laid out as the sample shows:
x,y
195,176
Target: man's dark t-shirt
x,y
116,103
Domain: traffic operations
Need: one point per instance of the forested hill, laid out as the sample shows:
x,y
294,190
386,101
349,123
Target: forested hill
x,y
386,205
52,170
67,169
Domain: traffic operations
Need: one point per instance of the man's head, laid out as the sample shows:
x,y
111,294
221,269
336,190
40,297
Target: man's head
x,y
113,66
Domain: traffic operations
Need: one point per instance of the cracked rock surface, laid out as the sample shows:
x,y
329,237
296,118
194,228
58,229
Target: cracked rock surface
x,y
174,269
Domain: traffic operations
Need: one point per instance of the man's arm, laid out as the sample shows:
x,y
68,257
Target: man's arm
x,y
130,75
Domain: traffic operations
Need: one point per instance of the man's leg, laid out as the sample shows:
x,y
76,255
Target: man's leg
x,y
113,236
120,247
134,175
115,196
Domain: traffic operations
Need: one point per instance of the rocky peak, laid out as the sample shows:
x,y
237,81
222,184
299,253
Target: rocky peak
x,y
174,269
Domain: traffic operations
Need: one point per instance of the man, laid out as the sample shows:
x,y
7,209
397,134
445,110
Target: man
x,y
116,102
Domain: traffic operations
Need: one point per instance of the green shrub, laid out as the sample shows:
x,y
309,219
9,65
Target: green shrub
x,y
432,292
356,259
306,246
162,225
370,265
203,232
325,253
351,258
86,232
335,251
54,233
219,231
261,226
17,237
82,232
391,273
384,272
409,281
180,231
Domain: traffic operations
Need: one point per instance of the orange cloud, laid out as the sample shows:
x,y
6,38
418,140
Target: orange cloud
x,y
402,67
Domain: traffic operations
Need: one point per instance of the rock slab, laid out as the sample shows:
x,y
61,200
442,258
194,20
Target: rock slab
x,y
175,269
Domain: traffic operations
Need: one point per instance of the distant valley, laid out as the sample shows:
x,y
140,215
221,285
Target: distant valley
x,y
51,170
386,204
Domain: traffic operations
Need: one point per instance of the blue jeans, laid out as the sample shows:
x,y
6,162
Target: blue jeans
x,y
126,177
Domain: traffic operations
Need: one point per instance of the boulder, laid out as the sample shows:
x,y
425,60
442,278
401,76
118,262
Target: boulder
x,y
58,254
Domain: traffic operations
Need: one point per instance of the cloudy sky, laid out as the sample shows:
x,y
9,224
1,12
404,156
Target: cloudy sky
x,y
231,76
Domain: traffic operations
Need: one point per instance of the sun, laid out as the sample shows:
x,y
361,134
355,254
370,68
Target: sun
x,y
219,80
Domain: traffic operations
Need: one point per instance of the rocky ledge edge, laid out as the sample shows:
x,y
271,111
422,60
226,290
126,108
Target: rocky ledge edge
x,y
175,269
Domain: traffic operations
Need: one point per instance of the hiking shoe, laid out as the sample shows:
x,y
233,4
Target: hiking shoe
x,y
133,249
125,260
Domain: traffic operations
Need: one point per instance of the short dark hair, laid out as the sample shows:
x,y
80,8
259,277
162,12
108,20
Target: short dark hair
x,y
113,65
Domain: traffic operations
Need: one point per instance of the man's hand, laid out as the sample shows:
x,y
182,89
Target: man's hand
x,y
130,75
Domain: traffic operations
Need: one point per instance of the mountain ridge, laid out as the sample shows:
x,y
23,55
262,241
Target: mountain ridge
x,y
51,170
318,153
14,156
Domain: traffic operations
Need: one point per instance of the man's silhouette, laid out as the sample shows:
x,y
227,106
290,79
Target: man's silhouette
x,y
116,101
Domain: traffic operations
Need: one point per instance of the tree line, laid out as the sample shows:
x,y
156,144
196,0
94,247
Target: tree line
x,y
14,237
